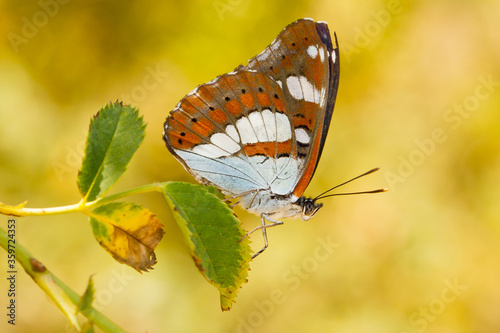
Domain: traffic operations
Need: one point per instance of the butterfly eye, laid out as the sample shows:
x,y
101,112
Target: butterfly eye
x,y
309,208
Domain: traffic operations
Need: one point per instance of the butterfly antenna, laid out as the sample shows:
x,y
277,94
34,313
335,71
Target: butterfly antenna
x,y
322,195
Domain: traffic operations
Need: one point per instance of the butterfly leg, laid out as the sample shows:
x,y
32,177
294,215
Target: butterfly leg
x,y
263,227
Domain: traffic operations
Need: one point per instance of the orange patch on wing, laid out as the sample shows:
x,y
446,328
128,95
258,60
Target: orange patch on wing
x,y
309,112
230,79
287,62
219,116
301,122
203,127
180,136
264,99
279,105
318,69
270,149
248,101
204,93
179,117
192,103
183,142
233,107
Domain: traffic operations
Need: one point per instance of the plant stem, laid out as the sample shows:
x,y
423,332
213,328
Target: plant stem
x,y
42,276
155,187
82,207
21,211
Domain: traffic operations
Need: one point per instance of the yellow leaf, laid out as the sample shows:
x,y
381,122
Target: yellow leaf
x,y
129,232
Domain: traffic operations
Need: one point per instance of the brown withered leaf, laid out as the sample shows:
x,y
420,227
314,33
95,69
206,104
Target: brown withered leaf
x,y
129,232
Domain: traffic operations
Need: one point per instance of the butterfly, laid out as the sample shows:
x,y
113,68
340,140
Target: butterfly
x,y
257,133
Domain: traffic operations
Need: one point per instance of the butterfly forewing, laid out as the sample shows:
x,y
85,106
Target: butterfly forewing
x,y
300,61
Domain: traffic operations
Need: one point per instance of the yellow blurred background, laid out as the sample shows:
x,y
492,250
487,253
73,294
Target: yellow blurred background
x,y
419,97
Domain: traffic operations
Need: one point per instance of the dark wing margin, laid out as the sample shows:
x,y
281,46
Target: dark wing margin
x,y
324,35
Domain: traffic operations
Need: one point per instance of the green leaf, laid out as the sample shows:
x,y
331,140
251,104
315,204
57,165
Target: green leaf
x,y
115,133
85,304
129,232
213,236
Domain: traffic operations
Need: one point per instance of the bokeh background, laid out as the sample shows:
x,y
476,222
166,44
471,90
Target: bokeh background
x,y
419,97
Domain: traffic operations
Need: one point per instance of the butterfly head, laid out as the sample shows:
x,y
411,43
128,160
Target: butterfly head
x,y
309,207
